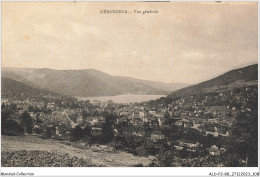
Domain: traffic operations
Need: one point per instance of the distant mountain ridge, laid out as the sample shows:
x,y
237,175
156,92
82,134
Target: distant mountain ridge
x,y
18,90
88,82
233,79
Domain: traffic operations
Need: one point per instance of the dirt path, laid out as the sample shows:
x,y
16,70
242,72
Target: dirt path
x,y
112,159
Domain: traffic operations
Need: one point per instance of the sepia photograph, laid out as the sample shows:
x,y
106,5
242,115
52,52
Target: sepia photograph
x,y
129,84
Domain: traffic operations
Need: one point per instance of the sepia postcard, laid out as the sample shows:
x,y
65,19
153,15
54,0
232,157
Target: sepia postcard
x,y
129,84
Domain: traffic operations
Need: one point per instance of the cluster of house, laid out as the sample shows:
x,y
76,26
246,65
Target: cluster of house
x,y
207,126
138,116
193,147
192,112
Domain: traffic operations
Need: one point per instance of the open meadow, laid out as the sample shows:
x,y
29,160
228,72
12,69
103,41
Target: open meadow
x,y
31,151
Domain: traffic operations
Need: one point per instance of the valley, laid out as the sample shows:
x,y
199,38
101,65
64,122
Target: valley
x,y
196,126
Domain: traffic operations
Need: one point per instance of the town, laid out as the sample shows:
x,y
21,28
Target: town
x,y
193,126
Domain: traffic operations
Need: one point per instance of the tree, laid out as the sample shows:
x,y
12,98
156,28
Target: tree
x,y
27,122
108,128
166,157
3,106
38,120
85,114
12,127
76,133
231,160
80,133
244,134
168,120
5,116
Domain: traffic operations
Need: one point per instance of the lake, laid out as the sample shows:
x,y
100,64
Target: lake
x,y
123,98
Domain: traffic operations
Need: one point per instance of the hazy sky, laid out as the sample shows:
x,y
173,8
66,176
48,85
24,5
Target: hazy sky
x,y
184,42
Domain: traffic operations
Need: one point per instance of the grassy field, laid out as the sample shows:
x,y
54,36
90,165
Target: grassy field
x,y
30,146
